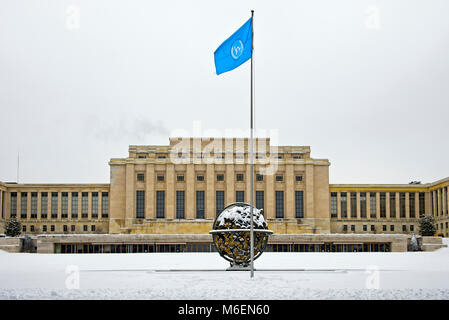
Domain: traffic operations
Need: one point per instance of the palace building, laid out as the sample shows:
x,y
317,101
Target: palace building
x,y
164,198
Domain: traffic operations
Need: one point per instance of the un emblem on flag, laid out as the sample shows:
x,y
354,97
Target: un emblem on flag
x,y
237,49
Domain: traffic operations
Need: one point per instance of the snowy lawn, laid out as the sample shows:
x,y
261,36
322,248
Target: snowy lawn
x,y
420,275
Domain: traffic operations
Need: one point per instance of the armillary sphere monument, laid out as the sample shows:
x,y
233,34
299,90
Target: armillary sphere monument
x,y
231,234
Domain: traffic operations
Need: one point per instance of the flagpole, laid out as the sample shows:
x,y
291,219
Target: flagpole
x,y
252,149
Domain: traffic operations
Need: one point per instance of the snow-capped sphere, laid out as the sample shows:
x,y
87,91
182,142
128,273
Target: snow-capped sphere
x,y
234,245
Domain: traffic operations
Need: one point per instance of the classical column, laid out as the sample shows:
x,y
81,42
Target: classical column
x,y
398,211
416,204
129,192
190,192
358,205
439,202
170,192
289,192
150,192
387,205
338,205
210,191
270,210
407,205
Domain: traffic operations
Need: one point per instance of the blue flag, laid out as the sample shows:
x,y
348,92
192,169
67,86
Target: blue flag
x,y
235,50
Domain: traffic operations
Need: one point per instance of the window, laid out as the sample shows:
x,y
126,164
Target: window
x,y
160,204
384,227
161,157
240,196
94,204
74,204
334,208
179,204
404,228
84,204
72,228
140,204
32,228
65,228
140,177
422,204
352,227
402,204
44,205
345,227
239,177
279,204
259,177
23,205
353,205
383,204
365,227
260,201
33,205
411,204
296,157
180,178
363,205
52,228
392,205
412,227
431,202
92,228
104,204
160,177
219,201
392,227
299,204
372,205
24,228
343,204
279,178
84,228
54,205
200,178
64,205
44,228
220,177
200,204
140,156
298,178
373,228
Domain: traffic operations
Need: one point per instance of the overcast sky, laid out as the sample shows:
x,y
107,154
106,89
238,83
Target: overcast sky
x,y
364,83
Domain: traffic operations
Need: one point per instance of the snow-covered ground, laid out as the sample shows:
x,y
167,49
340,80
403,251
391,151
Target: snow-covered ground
x,y
411,275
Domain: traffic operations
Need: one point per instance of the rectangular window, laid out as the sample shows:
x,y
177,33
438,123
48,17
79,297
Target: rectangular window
x,y
239,177
179,204
384,227
404,228
84,204
13,209
240,196
104,204
260,199
64,228
64,205
72,228
180,178
299,204
373,228
363,205
44,228
259,177
24,228
353,205
23,205
372,205
140,204
52,228
392,227
44,206
298,178
200,204
279,178
219,201
32,228
160,204
94,204
334,206
33,205
412,227
345,227
220,177
411,204
422,204
365,227
92,228
75,205
84,228
392,205
352,227
200,178
383,204
140,177
279,204
54,205
343,204
160,177
431,202
402,204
